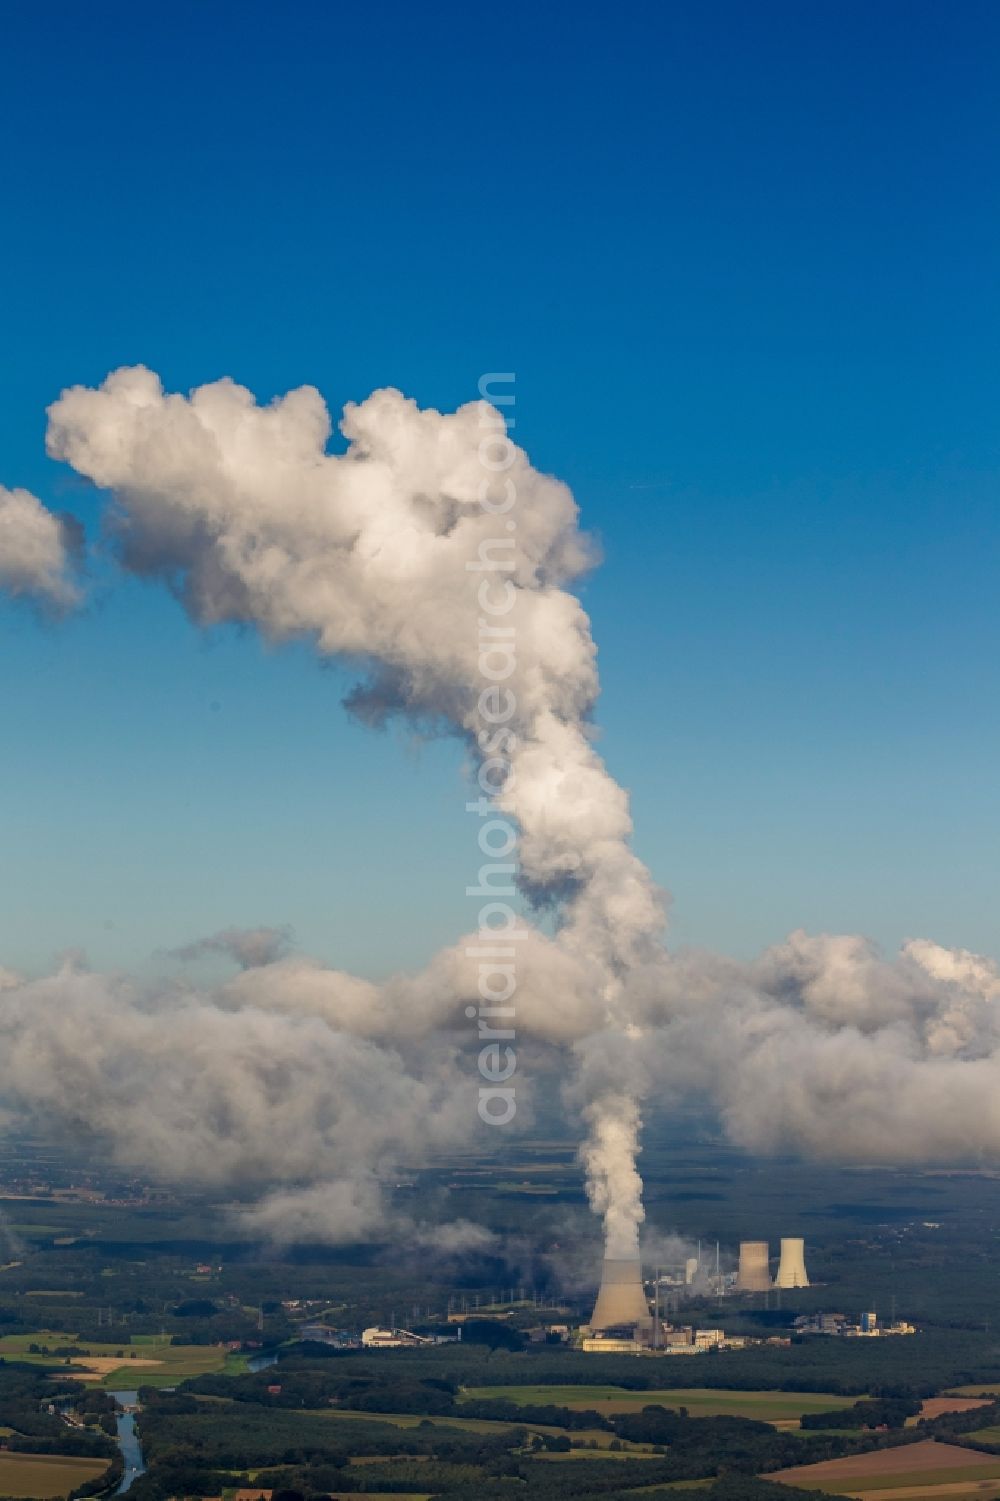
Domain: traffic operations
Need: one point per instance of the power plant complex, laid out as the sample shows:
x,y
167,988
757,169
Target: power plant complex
x,y
623,1321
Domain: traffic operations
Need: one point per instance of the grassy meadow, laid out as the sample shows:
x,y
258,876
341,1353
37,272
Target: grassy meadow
x,y
701,1402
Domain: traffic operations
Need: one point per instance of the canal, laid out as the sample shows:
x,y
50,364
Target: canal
x,y
128,1441
128,1438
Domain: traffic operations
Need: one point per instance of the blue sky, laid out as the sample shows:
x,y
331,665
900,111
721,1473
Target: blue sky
x,y
743,260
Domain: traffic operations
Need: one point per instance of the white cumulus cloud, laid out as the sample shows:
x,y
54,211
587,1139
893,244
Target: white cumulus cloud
x,y
36,551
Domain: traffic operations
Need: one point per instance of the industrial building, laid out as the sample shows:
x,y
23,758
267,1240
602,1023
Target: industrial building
x,y
656,1339
838,1325
792,1263
621,1301
392,1339
754,1274
606,1344
870,1328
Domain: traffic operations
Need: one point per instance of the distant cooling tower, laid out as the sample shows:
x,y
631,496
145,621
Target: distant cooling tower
x,y
621,1299
792,1266
753,1275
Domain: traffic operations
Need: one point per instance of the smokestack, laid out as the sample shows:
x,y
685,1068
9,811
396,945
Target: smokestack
x,y
753,1275
792,1266
621,1299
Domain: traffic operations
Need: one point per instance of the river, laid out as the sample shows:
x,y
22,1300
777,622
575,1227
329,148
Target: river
x,y
128,1441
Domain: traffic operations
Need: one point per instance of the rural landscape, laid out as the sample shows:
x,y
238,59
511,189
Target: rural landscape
x,y
138,1349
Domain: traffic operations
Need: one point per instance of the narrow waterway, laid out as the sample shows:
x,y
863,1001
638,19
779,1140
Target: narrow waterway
x,y
128,1442
128,1438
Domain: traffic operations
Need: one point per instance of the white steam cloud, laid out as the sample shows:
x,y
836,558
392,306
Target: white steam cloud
x,y
613,1183
382,555
376,555
312,1086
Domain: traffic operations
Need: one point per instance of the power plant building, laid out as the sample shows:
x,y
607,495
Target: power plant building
x,y
621,1300
792,1263
754,1274
392,1339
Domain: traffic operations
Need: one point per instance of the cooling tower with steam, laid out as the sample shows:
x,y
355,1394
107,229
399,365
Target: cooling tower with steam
x,y
620,1299
753,1275
792,1265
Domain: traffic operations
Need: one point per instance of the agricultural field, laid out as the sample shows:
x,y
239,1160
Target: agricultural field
x,y
143,1361
664,1489
917,1472
701,1402
598,1436
936,1407
45,1475
414,1420
601,1454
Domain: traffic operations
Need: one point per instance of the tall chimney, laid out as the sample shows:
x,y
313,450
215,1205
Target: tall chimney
x,y
792,1265
753,1275
621,1299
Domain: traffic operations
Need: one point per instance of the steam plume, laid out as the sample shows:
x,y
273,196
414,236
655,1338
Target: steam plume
x,y
309,1086
613,1183
378,554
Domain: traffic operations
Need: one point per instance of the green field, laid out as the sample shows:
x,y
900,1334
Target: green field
x,y
987,1435
768,1406
470,1425
598,1454
463,1425
120,1364
413,1420
666,1486
45,1475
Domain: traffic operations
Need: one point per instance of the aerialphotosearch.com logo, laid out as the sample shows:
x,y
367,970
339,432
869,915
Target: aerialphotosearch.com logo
x,y
495,950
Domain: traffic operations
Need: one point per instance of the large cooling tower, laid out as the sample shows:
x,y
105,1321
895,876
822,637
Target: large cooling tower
x,y
753,1275
621,1299
792,1266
